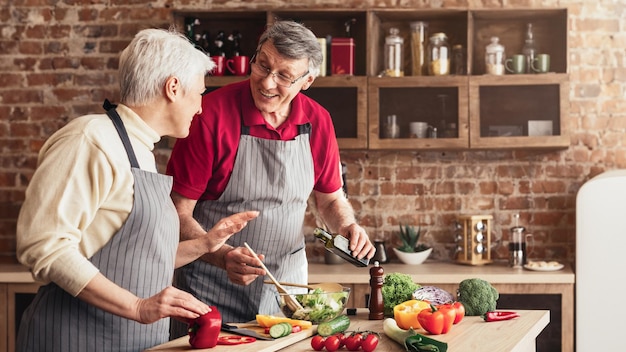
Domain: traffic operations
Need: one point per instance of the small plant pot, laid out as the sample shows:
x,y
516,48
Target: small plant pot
x,y
412,258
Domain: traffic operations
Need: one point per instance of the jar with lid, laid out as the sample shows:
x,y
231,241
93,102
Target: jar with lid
x,y
438,55
494,57
418,48
394,63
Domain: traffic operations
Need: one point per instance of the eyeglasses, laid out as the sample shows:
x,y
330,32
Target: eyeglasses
x,y
262,71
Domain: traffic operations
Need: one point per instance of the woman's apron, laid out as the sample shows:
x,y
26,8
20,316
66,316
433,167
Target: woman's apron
x,y
140,258
272,176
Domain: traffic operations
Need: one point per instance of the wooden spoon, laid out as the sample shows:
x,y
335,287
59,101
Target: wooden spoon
x,y
324,286
289,300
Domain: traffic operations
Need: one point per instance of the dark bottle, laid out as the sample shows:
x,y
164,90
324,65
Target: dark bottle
x,y
340,246
376,304
529,50
218,44
232,47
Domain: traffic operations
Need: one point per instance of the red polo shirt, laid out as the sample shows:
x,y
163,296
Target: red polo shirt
x,y
202,163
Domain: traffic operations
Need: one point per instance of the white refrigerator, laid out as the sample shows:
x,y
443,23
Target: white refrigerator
x,y
601,263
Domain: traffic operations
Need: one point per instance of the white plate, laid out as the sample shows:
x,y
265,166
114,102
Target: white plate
x,y
544,268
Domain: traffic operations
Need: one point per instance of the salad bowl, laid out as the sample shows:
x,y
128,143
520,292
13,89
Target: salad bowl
x,y
317,306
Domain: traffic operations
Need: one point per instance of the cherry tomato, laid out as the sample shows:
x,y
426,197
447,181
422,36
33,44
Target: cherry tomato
x,y
317,342
296,328
332,343
353,342
369,343
342,339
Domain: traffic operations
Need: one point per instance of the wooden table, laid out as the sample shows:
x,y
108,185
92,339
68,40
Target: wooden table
x,y
471,334
447,276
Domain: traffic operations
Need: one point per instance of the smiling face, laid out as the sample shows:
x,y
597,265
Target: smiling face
x,y
270,98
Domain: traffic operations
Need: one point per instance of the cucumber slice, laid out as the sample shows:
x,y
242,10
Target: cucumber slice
x,y
339,324
280,330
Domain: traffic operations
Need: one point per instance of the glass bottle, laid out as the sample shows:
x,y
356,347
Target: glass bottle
x,y
418,48
340,246
392,130
458,60
529,50
394,65
438,55
494,57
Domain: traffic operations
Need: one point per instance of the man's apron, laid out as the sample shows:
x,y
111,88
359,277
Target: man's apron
x,y
272,176
140,258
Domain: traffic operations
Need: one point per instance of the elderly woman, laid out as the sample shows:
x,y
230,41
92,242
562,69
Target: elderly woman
x,y
98,226
264,146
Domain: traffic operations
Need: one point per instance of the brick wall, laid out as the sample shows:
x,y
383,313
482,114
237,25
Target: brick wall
x,y
58,61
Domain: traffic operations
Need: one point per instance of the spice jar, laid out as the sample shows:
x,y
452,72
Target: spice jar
x,y
394,65
418,48
438,55
494,57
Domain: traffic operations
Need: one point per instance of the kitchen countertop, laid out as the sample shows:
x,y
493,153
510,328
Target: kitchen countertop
x,y
471,334
431,272
434,272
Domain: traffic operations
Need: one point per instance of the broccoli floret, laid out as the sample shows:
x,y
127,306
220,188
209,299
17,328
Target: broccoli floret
x,y
397,288
478,296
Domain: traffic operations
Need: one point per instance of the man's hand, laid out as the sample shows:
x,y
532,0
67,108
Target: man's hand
x,y
242,268
360,243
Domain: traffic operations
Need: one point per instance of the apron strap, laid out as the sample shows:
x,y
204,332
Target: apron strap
x,y
121,130
302,129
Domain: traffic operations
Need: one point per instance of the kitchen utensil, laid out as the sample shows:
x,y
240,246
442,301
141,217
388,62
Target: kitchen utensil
x,y
245,332
289,300
324,286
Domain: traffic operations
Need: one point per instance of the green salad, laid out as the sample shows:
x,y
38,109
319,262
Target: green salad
x,y
319,306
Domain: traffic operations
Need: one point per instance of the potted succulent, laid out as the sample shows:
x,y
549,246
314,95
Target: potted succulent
x,y
410,251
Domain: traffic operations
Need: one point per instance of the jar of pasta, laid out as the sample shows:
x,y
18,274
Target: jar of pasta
x,y
494,57
438,55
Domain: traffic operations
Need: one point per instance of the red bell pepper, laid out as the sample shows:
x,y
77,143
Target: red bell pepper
x,y
234,340
499,316
204,330
436,321
449,315
460,311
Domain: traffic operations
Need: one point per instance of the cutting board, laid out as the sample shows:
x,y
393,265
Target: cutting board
x,y
182,344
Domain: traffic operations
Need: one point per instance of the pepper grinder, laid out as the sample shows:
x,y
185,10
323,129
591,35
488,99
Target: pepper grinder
x,y
375,305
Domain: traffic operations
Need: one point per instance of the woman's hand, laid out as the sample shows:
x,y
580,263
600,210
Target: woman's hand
x,y
171,302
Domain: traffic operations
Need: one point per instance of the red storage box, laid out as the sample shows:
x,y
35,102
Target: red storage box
x,y
342,56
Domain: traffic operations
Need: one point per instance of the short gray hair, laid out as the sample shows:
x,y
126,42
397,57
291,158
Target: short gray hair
x,y
294,41
152,57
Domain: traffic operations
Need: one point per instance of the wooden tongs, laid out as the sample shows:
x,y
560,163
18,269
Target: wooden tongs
x,y
289,300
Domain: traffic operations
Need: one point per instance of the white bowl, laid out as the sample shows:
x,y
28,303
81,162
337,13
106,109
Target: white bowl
x,y
413,258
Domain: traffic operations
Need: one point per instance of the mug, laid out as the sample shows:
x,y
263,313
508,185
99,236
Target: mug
x,y
220,65
238,65
541,64
418,129
516,64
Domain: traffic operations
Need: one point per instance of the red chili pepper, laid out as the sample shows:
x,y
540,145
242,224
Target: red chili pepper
x,y
500,315
204,330
234,340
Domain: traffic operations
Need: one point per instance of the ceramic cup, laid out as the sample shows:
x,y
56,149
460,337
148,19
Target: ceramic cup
x,y
238,65
418,129
516,64
541,64
220,65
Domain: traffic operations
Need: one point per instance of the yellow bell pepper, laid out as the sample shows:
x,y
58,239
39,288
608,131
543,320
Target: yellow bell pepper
x,y
406,313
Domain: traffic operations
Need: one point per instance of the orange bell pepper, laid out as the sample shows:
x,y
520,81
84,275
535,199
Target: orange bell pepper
x,y
405,314
436,321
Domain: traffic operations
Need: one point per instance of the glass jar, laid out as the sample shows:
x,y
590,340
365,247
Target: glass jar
x,y
394,63
458,60
438,55
494,57
418,48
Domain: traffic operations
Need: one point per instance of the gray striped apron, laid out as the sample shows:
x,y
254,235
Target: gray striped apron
x,y
140,258
272,176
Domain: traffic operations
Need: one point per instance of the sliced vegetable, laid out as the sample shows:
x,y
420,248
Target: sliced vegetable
x,y
337,325
405,313
234,340
280,330
204,330
500,315
267,321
